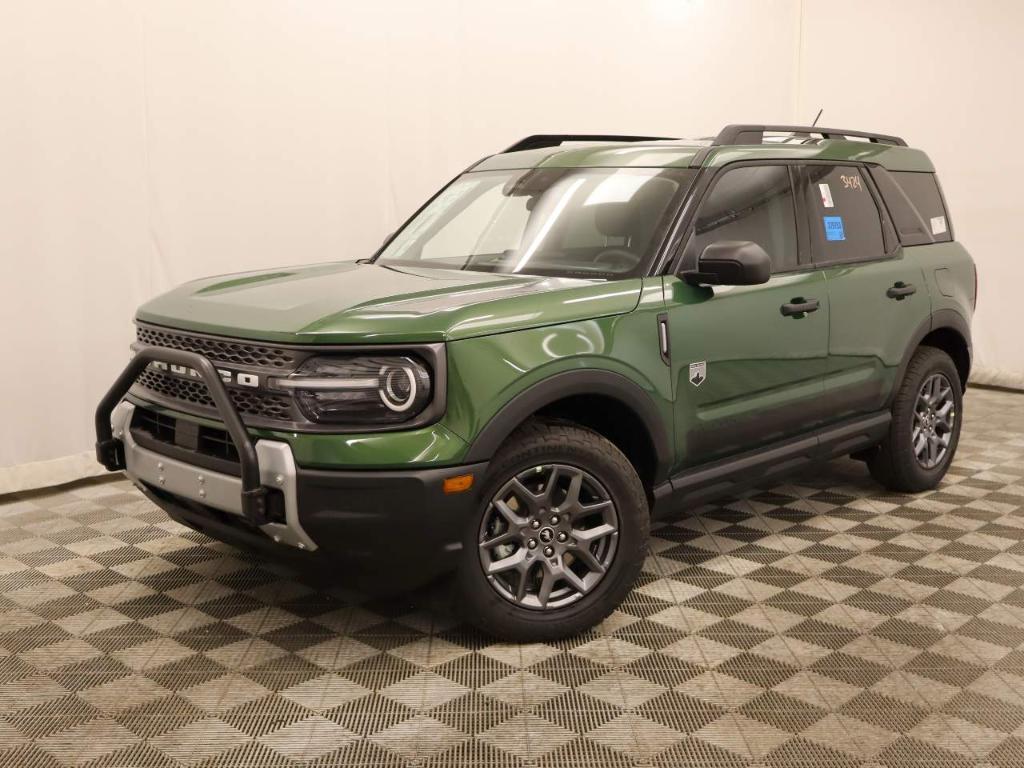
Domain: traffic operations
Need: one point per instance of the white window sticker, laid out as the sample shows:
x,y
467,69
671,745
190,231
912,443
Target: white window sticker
x,y
826,195
938,225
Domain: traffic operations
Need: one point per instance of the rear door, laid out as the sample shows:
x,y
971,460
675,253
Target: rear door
x,y
877,298
746,374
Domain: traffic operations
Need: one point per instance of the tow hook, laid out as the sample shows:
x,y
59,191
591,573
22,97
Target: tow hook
x,y
254,505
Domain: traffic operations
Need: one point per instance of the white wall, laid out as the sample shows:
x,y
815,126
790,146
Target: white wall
x,y
948,77
143,143
147,142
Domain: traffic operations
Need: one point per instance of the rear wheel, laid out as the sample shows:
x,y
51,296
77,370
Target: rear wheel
x,y
560,537
925,427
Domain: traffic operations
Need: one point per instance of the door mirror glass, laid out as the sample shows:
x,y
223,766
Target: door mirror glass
x,y
732,262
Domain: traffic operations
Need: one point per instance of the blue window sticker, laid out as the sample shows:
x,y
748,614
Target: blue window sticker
x,y
834,228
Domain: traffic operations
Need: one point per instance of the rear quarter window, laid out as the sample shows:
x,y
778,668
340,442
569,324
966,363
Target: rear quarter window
x,y
915,203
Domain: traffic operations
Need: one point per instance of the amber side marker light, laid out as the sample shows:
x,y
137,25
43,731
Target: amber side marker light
x,y
458,484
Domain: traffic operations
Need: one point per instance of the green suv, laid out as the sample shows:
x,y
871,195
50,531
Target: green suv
x,y
575,336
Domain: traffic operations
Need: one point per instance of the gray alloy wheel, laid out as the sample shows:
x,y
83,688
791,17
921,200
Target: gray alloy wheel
x,y
934,420
548,536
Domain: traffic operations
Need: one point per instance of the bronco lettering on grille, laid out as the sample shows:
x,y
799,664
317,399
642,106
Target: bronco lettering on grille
x,y
228,377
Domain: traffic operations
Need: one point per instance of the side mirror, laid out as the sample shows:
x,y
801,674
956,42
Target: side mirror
x,y
731,262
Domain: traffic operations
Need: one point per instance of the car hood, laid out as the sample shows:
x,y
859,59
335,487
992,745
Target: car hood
x,y
349,303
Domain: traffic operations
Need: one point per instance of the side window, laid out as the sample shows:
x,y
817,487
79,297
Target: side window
x,y
916,206
923,191
752,203
844,218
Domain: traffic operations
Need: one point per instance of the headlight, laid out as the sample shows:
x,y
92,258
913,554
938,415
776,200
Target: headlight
x,y
360,390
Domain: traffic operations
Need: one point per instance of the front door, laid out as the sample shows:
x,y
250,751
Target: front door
x,y
878,299
747,368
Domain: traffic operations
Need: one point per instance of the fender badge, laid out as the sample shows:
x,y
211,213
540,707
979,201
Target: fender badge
x,y
698,373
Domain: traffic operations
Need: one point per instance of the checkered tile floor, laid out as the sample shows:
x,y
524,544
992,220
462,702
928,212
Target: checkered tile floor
x,y
824,622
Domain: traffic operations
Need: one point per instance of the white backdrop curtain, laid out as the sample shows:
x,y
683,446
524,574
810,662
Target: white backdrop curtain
x,y
148,142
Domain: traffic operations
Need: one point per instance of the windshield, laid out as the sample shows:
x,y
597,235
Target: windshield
x,y
565,222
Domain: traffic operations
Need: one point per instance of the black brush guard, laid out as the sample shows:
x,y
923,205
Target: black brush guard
x,y
110,450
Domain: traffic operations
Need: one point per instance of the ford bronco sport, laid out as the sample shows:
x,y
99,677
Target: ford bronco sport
x,y
575,336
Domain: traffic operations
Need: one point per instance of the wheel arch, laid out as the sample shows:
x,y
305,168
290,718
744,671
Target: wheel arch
x,y
949,331
953,344
607,402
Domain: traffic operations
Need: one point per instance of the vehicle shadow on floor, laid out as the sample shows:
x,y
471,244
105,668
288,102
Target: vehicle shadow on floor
x,y
437,607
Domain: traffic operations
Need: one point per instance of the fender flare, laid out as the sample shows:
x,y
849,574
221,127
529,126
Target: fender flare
x,y
943,318
585,381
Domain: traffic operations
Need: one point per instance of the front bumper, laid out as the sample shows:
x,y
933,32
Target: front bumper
x,y
391,530
150,468
397,523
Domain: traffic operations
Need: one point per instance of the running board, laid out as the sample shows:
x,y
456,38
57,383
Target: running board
x,y
737,473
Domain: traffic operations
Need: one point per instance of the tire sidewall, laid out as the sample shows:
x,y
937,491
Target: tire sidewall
x,y
496,614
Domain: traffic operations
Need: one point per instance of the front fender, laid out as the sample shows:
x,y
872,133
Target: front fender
x,y
497,382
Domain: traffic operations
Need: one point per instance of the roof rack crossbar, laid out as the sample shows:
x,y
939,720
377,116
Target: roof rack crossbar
x,y
754,134
541,140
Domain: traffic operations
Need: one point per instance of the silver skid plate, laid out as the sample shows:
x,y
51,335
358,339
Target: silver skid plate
x,y
215,489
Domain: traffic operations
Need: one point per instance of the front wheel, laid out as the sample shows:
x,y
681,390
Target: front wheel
x,y
560,536
925,427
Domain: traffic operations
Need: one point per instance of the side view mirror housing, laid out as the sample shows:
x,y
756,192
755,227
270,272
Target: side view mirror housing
x,y
731,262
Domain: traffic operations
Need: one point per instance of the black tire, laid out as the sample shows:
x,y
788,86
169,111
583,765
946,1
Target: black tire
x,y
895,463
539,443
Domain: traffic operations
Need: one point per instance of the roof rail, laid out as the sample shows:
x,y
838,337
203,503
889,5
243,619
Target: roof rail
x,y
754,134
540,140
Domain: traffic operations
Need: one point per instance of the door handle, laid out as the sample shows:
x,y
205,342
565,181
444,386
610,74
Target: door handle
x,y
799,307
901,290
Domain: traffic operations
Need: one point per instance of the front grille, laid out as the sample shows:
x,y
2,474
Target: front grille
x,y
219,350
194,392
257,406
